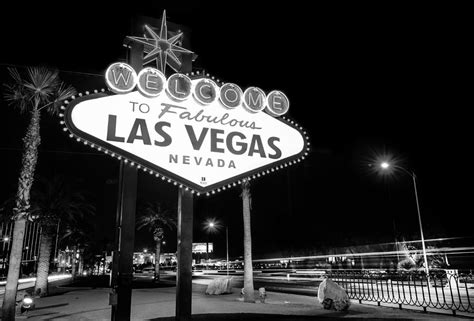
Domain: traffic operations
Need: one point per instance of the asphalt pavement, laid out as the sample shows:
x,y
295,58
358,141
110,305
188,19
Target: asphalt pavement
x,y
86,302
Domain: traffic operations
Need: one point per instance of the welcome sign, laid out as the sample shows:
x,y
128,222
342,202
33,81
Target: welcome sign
x,y
191,132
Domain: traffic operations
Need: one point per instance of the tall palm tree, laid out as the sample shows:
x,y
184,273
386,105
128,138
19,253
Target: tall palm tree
x,y
156,219
248,268
40,90
55,202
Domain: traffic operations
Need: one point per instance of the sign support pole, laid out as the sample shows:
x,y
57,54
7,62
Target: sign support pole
x,y
125,233
184,275
185,259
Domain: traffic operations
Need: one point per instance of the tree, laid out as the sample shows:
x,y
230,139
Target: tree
x,y
41,89
79,238
55,202
248,268
156,219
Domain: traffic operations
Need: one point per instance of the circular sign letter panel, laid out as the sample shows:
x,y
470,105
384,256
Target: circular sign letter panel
x,y
179,87
277,103
230,95
151,82
254,99
120,78
205,91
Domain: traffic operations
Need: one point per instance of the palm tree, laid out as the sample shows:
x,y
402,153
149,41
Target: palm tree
x,y
41,89
79,238
248,269
156,219
55,202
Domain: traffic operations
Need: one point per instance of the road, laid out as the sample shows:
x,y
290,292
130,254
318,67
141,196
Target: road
x,y
24,284
277,282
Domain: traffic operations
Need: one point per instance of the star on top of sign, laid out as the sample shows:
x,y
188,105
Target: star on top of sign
x,y
160,47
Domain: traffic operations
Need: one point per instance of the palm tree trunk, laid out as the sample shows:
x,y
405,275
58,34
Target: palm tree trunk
x,y
80,268
8,309
73,263
31,142
248,268
157,260
41,285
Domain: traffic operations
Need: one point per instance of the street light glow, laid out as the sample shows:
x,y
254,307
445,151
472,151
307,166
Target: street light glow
x,y
384,165
212,225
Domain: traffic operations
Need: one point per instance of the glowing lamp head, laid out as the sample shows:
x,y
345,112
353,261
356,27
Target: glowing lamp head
x,y
27,300
27,304
384,165
211,224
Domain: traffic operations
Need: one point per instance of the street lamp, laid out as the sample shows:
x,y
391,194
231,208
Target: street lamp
x,y
386,166
212,225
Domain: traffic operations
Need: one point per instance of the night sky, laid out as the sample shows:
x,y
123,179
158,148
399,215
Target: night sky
x,y
362,80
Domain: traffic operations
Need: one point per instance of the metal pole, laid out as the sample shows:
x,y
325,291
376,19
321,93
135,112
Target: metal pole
x,y
421,226
185,256
227,247
125,237
126,244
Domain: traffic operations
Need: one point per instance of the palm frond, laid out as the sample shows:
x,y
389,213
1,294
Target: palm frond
x,y
154,217
15,75
41,87
76,234
53,199
62,93
16,97
15,93
42,83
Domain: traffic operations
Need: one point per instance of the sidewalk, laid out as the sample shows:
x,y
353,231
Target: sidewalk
x,y
159,304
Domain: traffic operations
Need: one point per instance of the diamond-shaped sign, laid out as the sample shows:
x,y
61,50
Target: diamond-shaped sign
x,y
203,147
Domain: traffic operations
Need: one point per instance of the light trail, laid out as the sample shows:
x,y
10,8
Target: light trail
x,y
50,278
447,250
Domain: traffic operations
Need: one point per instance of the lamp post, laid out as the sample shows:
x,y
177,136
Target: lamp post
x,y
211,226
385,166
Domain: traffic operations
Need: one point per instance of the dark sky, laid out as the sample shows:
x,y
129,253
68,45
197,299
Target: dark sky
x,y
360,79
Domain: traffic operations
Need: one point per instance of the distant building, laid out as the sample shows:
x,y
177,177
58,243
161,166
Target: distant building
x,y
147,257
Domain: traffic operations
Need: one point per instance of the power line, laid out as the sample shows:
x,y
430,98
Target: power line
x,y
60,70
53,151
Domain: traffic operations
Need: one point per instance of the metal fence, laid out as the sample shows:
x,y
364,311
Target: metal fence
x,y
30,251
445,289
30,244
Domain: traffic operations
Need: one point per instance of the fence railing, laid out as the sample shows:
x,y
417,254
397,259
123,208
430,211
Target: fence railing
x,y
446,289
